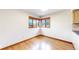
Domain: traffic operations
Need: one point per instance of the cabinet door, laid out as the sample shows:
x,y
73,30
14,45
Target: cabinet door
x,y
76,16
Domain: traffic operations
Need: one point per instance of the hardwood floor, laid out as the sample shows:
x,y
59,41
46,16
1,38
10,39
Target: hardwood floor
x,y
39,42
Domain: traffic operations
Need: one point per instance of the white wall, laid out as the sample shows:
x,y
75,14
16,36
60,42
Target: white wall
x,y
14,27
60,25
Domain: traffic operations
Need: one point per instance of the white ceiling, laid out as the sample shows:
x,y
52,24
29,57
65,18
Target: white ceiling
x,y
39,12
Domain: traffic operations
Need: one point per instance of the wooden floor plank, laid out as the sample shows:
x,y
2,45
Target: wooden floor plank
x,y
54,44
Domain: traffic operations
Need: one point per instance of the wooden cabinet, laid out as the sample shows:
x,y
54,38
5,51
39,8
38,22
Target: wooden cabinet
x,y
76,16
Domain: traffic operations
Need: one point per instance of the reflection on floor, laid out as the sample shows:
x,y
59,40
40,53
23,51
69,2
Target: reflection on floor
x,y
41,43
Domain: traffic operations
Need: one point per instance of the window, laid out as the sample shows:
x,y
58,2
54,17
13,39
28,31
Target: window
x,y
39,22
43,23
30,23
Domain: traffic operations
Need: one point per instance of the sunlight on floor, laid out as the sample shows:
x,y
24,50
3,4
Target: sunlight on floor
x,y
41,45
